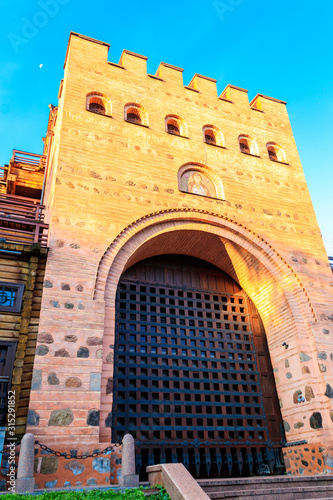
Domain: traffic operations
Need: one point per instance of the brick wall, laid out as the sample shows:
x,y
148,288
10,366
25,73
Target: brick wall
x,y
112,198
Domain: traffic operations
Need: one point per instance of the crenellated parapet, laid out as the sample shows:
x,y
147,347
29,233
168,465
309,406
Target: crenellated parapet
x,y
136,65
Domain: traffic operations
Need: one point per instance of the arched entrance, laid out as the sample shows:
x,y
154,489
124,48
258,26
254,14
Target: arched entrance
x,y
193,380
267,278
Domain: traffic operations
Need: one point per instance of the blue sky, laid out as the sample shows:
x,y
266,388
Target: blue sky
x,y
279,48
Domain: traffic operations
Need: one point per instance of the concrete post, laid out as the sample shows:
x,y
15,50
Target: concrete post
x,y
25,474
128,477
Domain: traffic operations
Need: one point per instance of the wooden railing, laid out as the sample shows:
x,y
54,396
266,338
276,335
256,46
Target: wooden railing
x,y
28,158
22,221
3,174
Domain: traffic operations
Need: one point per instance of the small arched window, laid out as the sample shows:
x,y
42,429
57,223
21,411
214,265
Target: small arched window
x,y
96,103
134,117
272,153
212,135
244,145
135,113
97,107
275,152
173,128
175,125
247,145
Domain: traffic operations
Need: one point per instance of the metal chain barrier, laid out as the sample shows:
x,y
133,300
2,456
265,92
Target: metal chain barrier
x,y
69,456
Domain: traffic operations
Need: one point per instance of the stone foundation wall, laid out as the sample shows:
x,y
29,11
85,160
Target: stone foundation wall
x,y
51,471
309,459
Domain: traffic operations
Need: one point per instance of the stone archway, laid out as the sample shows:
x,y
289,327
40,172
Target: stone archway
x,y
269,281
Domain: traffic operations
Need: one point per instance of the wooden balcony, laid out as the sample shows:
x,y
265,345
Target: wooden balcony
x,y
22,221
24,175
31,160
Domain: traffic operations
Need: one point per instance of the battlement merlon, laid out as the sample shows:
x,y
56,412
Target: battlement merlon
x,y
267,104
236,95
133,62
204,85
93,51
170,74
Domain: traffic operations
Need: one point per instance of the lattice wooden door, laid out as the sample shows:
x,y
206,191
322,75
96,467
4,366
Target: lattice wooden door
x,y
193,381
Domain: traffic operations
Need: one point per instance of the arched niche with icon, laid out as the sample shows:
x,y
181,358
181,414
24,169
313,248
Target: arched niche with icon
x,y
194,181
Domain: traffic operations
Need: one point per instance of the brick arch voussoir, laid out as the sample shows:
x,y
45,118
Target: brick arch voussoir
x,y
135,234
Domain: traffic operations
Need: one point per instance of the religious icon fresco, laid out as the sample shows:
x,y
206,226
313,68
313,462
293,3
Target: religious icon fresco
x,y
196,182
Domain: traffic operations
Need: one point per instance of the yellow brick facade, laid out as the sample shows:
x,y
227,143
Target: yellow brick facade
x,y
112,197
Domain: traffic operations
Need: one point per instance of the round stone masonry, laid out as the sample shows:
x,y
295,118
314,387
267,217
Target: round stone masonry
x,y
61,418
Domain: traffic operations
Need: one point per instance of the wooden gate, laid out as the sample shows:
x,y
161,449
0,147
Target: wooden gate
x,y
193,381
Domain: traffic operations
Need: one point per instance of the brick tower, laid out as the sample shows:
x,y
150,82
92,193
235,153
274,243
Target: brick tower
x,y
140,167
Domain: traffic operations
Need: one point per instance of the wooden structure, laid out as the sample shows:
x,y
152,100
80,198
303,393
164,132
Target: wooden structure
x,y
24,175
23,250
22,221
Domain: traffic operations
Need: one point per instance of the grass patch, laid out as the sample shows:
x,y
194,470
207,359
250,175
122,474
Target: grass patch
x,y
133,494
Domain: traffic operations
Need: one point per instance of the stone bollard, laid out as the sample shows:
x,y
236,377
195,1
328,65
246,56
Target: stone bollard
x,y
25,474
128,478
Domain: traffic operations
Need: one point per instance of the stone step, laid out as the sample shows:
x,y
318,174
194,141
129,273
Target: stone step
x,y
292,493
264,483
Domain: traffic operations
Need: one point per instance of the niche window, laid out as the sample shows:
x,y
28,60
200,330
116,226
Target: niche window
x,y
11,296
275,152
173,128
134,118
135,113
213,136
97,107
272,153
247,145
210,137
175,125
244,145
97,103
